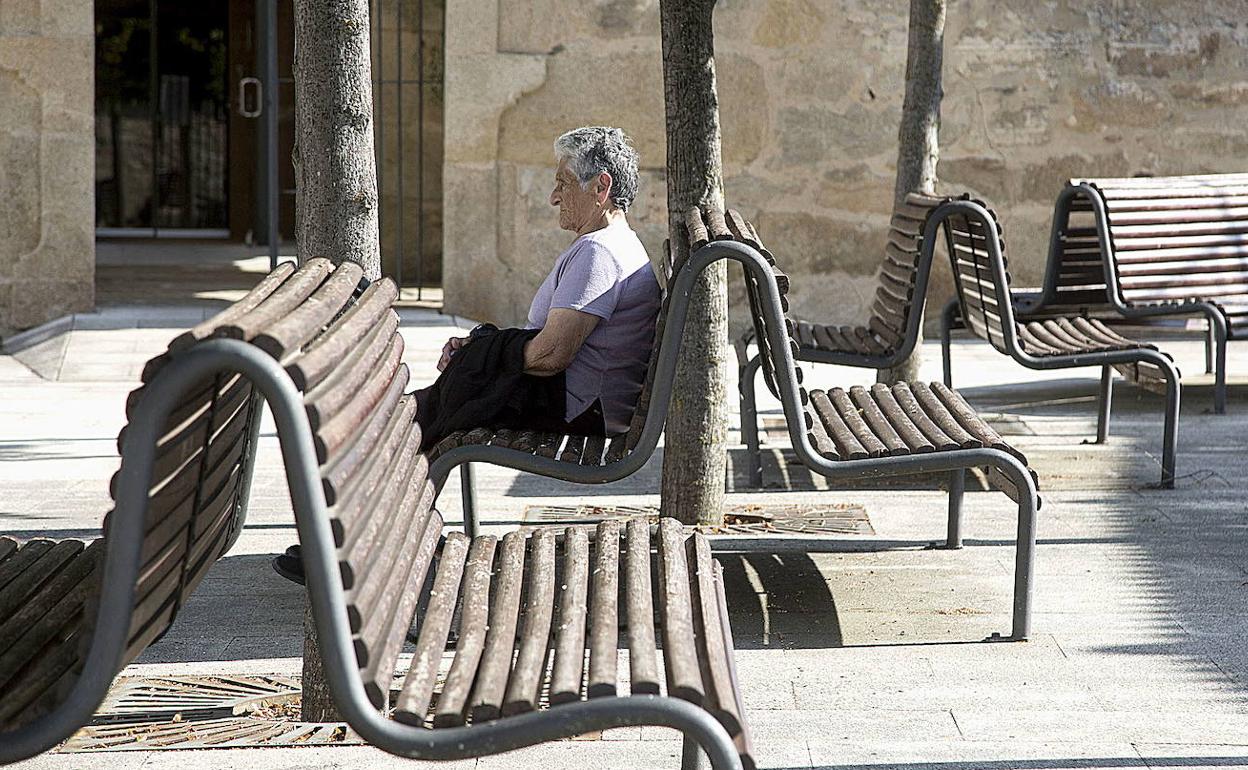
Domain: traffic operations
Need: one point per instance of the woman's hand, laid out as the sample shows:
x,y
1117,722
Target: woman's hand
x,y
448,350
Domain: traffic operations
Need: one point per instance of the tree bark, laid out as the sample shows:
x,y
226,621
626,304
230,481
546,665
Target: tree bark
x,y
694,457
335,189
316,704
335,171
918,148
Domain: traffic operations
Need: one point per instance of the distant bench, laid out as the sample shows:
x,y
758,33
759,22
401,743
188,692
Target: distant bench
x,y
1142,249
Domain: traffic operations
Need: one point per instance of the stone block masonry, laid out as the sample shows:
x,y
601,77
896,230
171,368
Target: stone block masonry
x,y
47,166
810,98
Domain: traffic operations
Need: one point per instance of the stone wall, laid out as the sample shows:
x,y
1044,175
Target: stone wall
x,y
1035,92
47,173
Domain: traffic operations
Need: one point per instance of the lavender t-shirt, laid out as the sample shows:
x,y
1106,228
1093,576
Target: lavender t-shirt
x,y
605,273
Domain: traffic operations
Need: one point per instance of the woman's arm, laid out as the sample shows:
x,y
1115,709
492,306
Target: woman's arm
x,y
554,347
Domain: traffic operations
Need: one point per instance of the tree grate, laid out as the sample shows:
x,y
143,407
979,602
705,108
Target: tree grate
x,y
750,519
202,712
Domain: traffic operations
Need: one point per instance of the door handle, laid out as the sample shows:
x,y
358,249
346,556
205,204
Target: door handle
x,y
257,89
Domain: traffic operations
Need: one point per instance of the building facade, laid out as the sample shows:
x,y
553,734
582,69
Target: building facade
x,y
133,118
810,102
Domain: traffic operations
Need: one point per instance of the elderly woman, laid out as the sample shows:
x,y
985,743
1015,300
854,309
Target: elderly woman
x,y
579,364
595,312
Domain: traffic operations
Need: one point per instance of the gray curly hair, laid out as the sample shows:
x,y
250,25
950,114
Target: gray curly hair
x,y
591,150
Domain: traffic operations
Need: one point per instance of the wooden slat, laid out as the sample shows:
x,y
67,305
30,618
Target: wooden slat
x,y
491,683
524,687
277,305
818,435
572,450
344,335
334,434
604,609
721,696
435,626
253,298
920,419
29,579
698,235
565,681
337,477
896,416
395,600
592,453
684,676
302,323
367,529
27,629
335,391
639,608
847,444
400,442
474,620
972,422
875,418
370,544
858,426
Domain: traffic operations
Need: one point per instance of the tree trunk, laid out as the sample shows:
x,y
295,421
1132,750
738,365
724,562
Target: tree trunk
x,y
918,148
316,704
335,171
335,188
694,457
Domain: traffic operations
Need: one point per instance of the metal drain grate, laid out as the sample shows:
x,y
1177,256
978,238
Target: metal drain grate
x,y
752,520
189,712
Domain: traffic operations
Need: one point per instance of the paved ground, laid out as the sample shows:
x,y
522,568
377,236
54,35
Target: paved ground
x,y
864,656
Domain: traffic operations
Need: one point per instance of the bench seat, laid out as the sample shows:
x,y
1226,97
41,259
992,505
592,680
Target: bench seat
x,y
907,418
541,617
1064,336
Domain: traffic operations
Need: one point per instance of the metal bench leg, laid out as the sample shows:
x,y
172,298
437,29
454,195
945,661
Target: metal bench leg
x,y
749,422
946,333
1025,564
1170,438
1219,371
468,494
1211,344
1103,404
957,486
692,757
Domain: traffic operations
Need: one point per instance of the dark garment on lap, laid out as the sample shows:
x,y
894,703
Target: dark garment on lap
x,y
484,385
588,423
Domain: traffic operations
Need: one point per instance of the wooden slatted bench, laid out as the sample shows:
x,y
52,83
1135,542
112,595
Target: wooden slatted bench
x,y
322,348
575,458
878,432
887,337
985,305
1143,249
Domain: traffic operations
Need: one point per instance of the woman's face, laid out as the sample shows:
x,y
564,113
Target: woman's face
x,y
577,207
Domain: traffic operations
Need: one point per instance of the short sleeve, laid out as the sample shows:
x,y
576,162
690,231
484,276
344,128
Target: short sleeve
x,y
589,282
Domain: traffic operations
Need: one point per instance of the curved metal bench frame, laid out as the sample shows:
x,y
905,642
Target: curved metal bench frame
x,y
748,372
1219,332
1105,359
681,288
123,559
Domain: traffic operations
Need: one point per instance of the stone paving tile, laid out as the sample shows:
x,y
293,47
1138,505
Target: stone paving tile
x,y
1192,756
1139,607
975,755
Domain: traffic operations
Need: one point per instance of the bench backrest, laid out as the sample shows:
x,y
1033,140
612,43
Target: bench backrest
x,y
1172,239
342,349
896,297
967,239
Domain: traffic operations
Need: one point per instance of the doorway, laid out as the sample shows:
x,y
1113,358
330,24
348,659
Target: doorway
x,y
182,106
